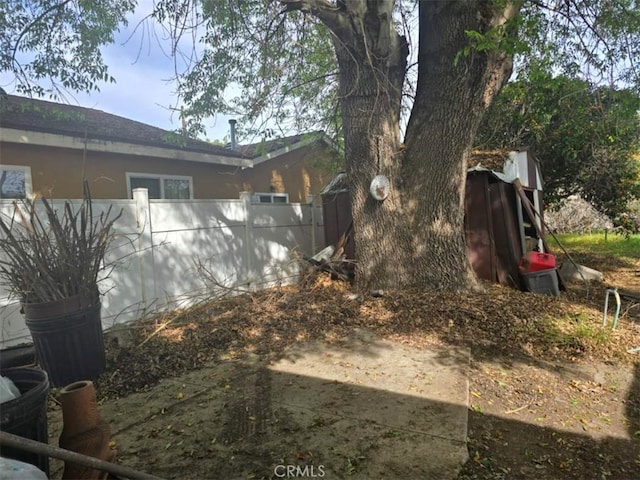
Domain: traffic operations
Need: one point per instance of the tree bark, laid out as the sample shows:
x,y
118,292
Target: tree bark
x,y
416,236
372,57
450,100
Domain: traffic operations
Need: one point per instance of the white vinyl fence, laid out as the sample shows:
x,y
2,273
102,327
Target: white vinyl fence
x,y
170,253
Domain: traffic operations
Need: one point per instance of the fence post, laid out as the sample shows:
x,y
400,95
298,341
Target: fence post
x,y
145,246
311,201
248,238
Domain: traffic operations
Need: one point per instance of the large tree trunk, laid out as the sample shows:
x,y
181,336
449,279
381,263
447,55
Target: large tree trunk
x,y
416,236
450,100
372,57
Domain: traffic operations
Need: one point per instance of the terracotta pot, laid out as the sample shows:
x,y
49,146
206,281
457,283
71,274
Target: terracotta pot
x,y
84,431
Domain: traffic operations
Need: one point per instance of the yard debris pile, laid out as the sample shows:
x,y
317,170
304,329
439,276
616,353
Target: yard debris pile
x,y
495,322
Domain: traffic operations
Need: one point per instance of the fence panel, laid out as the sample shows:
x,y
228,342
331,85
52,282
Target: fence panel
x,y
280,235
195,245
169,253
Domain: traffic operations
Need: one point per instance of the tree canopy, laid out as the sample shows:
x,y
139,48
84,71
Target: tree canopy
x,y
370,70
258,60
586,137
51,46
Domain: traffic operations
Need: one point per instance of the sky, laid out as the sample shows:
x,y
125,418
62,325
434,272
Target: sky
x,y
141,91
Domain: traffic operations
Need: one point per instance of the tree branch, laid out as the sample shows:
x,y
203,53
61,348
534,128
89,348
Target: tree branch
x,y
568,14
34,22
332,16
311,80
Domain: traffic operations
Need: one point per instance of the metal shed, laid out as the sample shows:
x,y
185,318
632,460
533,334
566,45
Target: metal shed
x,y
336,214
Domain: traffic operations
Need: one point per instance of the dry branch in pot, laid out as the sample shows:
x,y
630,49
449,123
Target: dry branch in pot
x,y
48,256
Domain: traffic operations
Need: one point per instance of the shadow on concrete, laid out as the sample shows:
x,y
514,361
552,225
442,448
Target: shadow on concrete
x,y
379,411
245,419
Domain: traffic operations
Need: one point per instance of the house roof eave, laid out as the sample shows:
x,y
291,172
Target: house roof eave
x,y
308,140
32,137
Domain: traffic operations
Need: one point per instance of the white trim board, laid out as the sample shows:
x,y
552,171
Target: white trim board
x,y
68,141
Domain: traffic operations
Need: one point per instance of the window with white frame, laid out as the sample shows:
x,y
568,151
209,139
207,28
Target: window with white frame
x,y
270,198
15,181
173,187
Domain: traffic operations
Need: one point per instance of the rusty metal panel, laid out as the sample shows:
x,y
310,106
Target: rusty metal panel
x,y
345,220
337,215
532,171
478,226
330,218
506,233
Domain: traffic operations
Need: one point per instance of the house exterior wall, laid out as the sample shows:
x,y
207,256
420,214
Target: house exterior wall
x,y
299,173
58,172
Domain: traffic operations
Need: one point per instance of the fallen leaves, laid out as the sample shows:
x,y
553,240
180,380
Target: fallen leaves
x,y
495,321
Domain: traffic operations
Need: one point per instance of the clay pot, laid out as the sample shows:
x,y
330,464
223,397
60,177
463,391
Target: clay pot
x,y
84,431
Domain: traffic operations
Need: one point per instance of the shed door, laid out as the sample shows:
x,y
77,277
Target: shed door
x,y
479,227
506,233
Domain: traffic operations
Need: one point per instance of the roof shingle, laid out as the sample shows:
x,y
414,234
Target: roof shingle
x,y
50,117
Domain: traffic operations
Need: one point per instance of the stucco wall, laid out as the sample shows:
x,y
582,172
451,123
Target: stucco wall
x,y
299,173
58,172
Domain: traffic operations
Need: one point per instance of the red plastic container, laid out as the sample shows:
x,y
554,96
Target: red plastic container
x,y
536,262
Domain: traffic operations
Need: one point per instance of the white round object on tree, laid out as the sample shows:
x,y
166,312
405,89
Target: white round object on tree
x,y
380,187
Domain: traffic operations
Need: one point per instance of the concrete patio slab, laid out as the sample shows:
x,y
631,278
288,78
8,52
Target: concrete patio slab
x,y
362,409
417,398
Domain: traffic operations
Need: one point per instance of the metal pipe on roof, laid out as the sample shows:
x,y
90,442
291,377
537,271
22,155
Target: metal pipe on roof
x,y
232,132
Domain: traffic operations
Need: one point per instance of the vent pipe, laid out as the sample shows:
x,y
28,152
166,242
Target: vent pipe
x,y
232,133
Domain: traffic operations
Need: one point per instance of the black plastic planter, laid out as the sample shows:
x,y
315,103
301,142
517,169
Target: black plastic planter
x,y
68,339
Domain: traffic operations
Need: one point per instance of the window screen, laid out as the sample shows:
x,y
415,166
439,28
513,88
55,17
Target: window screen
x,y
14,182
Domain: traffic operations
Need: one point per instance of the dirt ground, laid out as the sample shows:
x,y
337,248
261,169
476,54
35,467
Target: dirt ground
x,y
553,394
